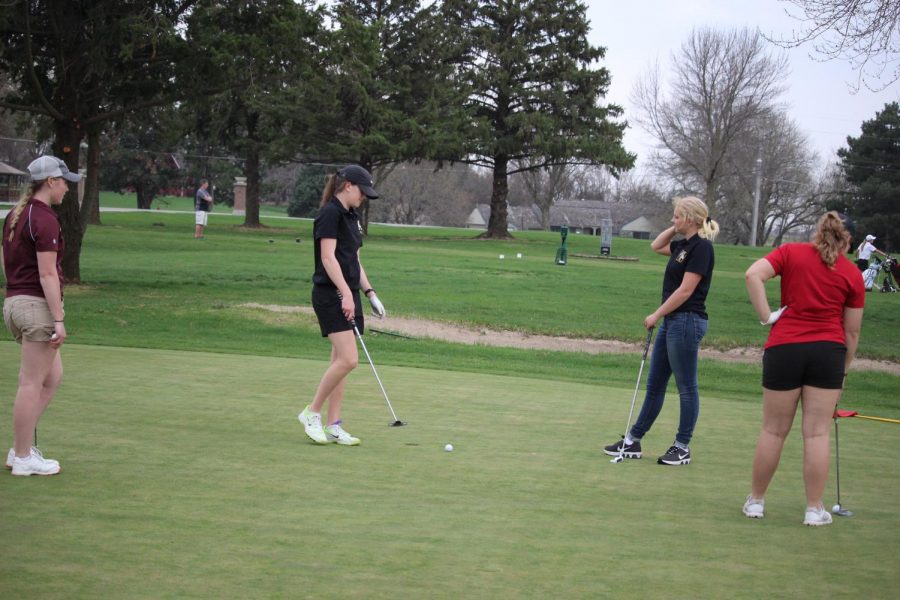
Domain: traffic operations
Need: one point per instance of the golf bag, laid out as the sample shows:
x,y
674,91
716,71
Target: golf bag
x,y
871,273
889,267
889,283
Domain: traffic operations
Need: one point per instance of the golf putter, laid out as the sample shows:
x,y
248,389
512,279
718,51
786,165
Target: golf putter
x,y
396,422
838,509
621,455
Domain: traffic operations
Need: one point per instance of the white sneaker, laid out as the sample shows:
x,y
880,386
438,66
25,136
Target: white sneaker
x,y
34,464
34,449
312,425
337,435
753,508
816,517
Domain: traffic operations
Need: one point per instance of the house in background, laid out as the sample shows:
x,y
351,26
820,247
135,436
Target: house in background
x,y
580,216
12,181
640,229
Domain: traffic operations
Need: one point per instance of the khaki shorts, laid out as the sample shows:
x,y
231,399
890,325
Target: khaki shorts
x,y
201,217
28,317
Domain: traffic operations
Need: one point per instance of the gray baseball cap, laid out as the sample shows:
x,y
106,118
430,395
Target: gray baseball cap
x,y
49,166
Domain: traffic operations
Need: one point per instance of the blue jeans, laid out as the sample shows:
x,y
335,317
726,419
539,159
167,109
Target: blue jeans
x,y
674,352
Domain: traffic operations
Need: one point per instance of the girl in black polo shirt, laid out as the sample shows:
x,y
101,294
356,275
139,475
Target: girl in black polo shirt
x,y
337,280
684,320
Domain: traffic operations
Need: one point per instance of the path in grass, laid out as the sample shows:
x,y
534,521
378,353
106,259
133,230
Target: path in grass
x,y
451,332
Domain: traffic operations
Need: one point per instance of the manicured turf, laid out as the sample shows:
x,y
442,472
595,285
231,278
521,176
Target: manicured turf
x,y
187,475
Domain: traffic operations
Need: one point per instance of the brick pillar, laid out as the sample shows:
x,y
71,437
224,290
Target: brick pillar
x,y
240,196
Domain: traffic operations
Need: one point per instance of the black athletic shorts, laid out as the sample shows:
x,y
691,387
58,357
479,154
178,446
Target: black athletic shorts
x,y
816,364
327,306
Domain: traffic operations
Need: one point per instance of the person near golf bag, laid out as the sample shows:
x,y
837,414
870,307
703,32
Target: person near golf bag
x,y
864,252
684,323
337,281
810,347
33,307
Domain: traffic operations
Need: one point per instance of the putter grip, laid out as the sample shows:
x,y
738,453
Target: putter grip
x,y
647,343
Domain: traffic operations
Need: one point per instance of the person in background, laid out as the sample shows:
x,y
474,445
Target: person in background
x,y
810,347
337,281
684,322
203,202
864,252
33,307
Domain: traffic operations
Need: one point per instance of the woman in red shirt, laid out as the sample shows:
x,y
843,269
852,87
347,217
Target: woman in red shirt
x,y
811,344
33,307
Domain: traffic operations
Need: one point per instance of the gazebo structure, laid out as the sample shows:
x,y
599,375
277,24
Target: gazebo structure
x,y
11,182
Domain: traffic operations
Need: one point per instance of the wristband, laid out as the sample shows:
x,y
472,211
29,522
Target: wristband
x,y
366,292
60,321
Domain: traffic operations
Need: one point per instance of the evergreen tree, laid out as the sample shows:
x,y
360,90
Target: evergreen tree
x,y
871,163
532,89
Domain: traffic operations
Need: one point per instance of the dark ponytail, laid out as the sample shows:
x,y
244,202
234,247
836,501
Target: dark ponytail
x,y
333,183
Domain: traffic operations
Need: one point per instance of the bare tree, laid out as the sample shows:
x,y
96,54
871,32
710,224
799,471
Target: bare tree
x,y
864,32
418,194
722,82
777,152
545,186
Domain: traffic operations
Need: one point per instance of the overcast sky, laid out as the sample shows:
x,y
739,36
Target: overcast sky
x,y
636,33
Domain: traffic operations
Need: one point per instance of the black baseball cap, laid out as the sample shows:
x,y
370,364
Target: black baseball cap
x,y
356,175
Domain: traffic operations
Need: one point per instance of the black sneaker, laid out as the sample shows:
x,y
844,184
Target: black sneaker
x,y
675,456
632,450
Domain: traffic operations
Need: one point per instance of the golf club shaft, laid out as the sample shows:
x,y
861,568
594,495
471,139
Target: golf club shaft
x,y
371,364
837,461
636,387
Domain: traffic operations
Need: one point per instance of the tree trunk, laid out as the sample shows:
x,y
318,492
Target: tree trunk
x,y
251,170
545,217
710,195
67,146
90,203
145,195
498,223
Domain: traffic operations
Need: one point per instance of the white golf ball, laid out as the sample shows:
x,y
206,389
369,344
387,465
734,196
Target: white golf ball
x,y
836,508
448,448
502,257
518,255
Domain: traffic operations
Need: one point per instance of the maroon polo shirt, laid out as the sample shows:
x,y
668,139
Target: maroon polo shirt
x,y
37,230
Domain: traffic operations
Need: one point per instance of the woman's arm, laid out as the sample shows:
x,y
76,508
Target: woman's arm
x,y
677,298
756,277
377,306
852,325
333,268
49,277
661,244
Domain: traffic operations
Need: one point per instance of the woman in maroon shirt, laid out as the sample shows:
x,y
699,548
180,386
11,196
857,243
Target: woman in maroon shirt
x,y
33,307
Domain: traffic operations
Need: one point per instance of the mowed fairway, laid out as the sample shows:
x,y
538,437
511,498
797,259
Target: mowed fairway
x,y
187,475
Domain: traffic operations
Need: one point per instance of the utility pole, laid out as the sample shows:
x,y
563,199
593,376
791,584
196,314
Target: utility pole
x,y
754,225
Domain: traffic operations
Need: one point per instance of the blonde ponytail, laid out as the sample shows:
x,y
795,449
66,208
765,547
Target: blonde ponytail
x,y
27,193
831,238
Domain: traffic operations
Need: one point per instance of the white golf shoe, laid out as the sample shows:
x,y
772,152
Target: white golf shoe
x,y
312,425
337,435
12,454
34,464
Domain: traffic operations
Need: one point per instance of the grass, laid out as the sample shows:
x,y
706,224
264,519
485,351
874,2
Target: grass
x,y
186,473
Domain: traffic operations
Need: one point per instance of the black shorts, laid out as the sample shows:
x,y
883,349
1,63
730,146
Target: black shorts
x,y
816,364
327,306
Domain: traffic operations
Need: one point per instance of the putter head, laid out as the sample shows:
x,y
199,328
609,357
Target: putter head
x,y
397,423
618,459
841,511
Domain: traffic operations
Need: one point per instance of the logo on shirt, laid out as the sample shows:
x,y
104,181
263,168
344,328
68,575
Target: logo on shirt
x,y
682,256
359,227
